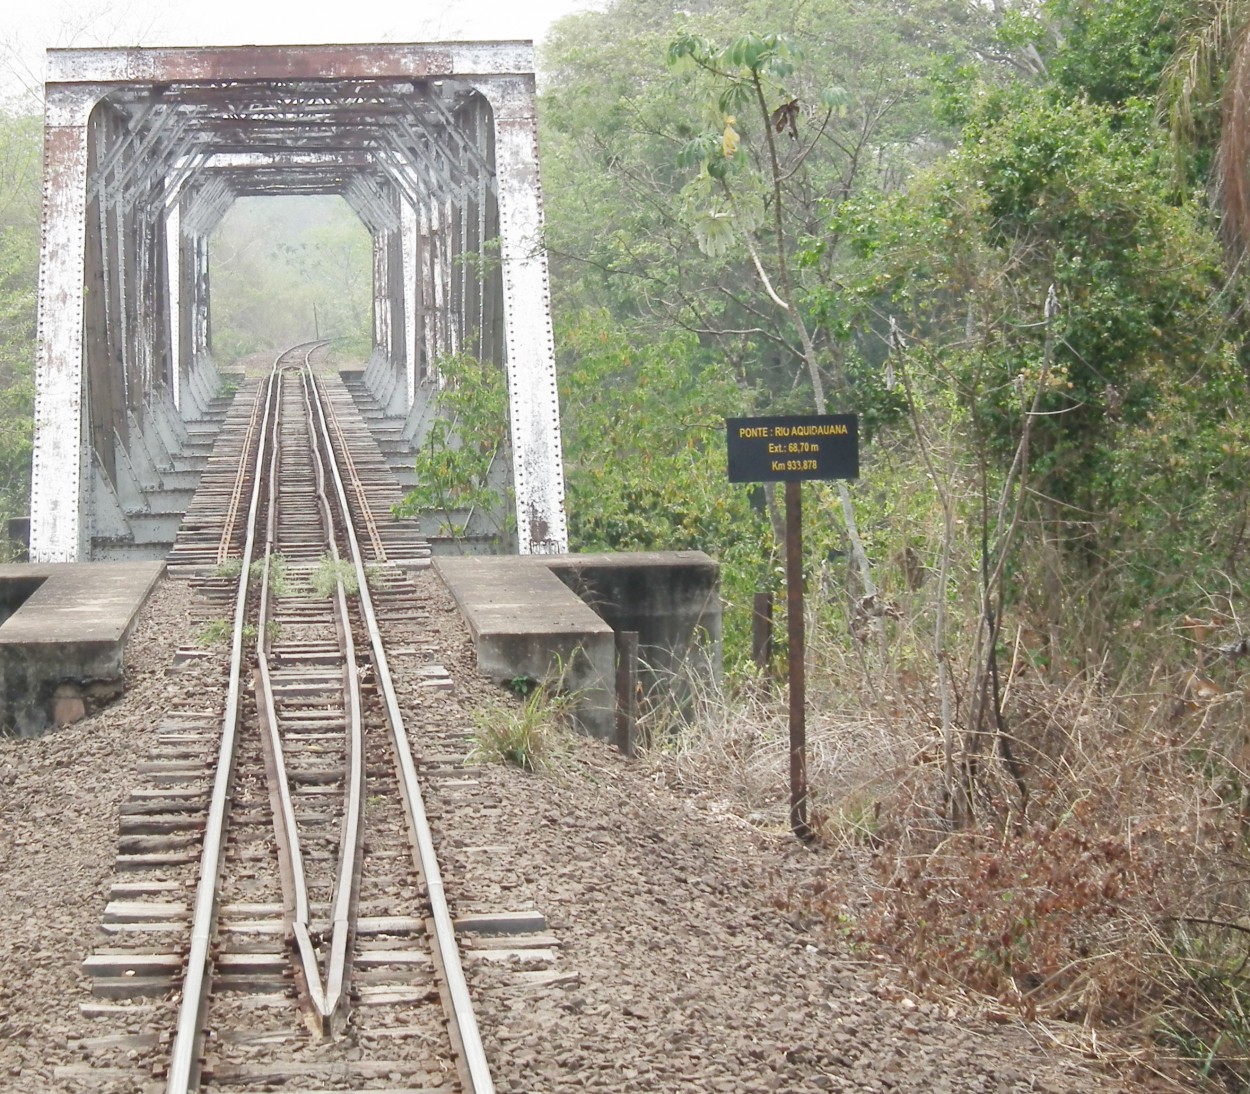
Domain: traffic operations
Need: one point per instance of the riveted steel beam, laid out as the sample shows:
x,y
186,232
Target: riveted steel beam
x,y
537,463
59,463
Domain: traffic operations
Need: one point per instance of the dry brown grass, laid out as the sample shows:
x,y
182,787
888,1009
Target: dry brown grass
x,y
1113,900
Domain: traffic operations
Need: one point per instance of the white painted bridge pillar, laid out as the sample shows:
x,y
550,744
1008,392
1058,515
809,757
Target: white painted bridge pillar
x,y
534,402
60,481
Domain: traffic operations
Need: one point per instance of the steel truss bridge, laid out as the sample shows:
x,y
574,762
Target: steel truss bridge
x,y
434,147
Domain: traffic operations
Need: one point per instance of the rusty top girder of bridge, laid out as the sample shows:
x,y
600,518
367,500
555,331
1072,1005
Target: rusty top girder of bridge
x,y
434,147
243,129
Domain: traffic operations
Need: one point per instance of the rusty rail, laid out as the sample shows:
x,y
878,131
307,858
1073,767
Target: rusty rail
x,y
477,1079
323,998
184,1058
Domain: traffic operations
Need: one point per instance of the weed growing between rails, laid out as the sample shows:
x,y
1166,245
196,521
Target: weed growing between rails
x,y
217,632
332,572
279,579
213,633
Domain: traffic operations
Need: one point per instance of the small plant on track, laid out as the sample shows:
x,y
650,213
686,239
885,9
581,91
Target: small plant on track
x,y
279,581
332,572
231,569
212,633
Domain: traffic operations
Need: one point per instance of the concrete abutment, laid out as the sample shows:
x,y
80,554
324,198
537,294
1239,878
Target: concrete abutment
x,y
556,617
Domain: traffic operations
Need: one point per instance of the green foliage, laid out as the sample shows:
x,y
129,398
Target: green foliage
x,y
213,633
1113,50
1178,483
230,569
20,178
1210,1025
279,579
742,60
463,447
218,631
532,735
1139,385
645,149
331,573
645,441
645,456
1060,178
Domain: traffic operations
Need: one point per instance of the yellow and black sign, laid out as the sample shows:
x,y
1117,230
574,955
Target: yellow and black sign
x,y
814,446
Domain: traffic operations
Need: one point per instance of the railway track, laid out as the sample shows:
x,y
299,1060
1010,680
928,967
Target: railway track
x,y
279,916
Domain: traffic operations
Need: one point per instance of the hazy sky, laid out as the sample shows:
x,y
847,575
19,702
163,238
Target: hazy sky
x,y
40,24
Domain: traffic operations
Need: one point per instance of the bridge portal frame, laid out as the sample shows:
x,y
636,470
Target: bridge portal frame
x,y
80,80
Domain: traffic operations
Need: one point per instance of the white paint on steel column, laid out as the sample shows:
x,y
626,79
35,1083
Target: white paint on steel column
x,y
437,275
450,218
59,481
409,228
200,319
173,276
425,291
382,337
534,403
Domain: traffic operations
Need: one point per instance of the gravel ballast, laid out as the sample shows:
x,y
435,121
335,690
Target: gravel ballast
x,y
682,960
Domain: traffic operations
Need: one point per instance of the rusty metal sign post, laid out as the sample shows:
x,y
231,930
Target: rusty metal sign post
x,y
789,450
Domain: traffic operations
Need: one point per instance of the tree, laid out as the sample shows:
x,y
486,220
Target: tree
x,y
746,75
1203,100
20,188
1049,277
615,125
286,269
645,458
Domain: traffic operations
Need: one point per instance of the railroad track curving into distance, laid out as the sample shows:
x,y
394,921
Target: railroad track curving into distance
x,y
317,951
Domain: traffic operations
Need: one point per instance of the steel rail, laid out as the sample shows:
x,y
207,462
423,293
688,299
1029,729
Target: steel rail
x,y
184,1057
338,968
362,499
232,509
321,996
286,829
462,1019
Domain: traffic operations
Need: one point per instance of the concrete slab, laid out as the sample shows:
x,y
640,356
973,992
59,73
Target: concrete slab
x,y
531,614
526,623
63,631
